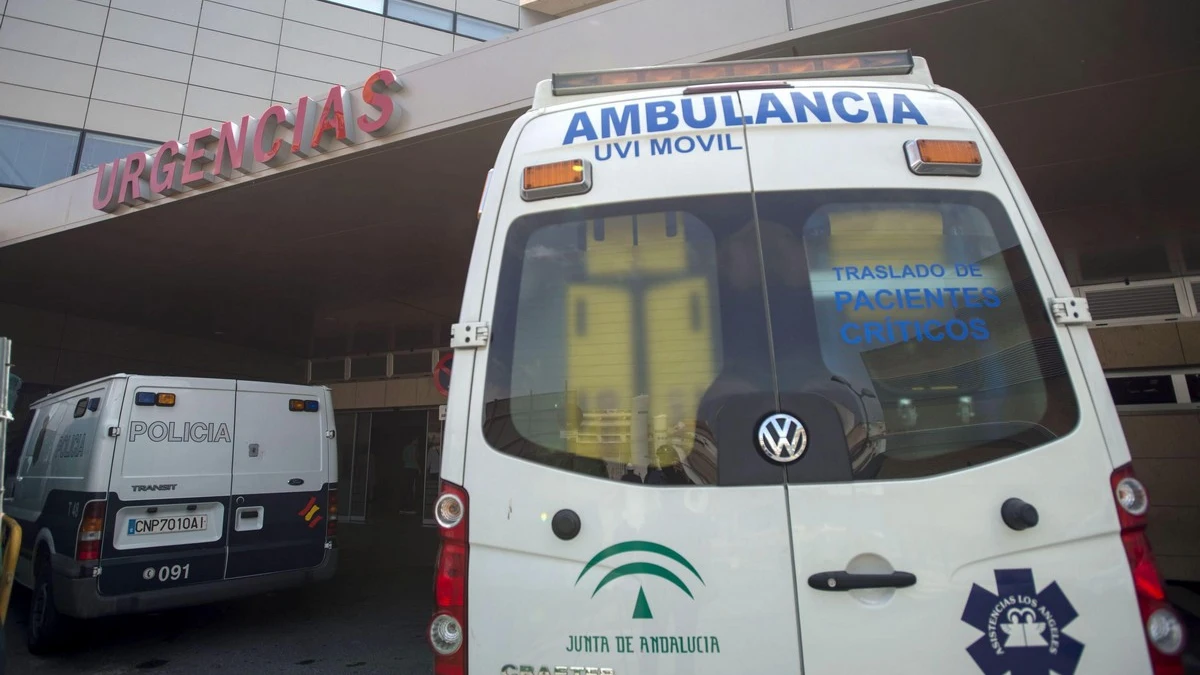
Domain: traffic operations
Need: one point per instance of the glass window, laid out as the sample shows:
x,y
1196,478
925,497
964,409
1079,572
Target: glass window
x,y
32,155
480,29
368,366
99,148
412,364
43,423
1142,390
1193,385
905,329
612,331
328,370
375,6
929,324
425,15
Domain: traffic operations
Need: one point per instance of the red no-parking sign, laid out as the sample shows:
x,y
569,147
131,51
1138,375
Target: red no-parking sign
x,y
441,373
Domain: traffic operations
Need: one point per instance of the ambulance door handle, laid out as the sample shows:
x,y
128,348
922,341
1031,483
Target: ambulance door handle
x,y
845,581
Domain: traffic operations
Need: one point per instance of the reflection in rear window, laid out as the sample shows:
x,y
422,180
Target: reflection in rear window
x,y
631,340
926,306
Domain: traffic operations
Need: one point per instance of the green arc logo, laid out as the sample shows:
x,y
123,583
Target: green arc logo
x,y
642,609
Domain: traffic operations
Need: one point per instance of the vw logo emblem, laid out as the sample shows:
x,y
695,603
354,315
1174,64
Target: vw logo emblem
x,y
782,438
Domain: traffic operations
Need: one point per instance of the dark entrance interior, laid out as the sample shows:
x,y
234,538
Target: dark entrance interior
x,y
387,466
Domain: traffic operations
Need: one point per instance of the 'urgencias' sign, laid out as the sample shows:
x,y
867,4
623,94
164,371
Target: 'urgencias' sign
x,y
213,154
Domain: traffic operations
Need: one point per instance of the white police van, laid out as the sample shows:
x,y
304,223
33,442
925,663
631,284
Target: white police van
x,y
140,493
769,366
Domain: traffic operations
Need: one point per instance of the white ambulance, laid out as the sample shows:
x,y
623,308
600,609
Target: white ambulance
x,y
769,366
139,493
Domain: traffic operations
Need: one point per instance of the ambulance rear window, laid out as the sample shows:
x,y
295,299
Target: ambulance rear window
x,y
645,341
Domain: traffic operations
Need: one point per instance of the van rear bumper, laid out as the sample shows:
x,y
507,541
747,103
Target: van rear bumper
x,y
80,598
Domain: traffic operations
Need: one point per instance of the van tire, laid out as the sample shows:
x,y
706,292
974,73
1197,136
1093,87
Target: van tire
x,y
47,629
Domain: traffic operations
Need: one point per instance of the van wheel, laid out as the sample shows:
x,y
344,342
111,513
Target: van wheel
x,y
47,628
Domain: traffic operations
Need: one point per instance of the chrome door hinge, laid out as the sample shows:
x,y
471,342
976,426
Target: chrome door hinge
x,y
469,335
97,571
113,432
1070,311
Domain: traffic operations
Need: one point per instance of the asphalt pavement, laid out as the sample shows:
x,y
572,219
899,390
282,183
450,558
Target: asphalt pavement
x,y
371,618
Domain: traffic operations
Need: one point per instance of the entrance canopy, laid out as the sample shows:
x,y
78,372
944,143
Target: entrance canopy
x,y
1092,102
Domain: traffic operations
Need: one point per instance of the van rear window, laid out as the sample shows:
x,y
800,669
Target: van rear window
x,y
624,335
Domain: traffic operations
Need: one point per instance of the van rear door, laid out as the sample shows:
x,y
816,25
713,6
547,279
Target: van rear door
x,y
914,307
169,487
619,390
280,479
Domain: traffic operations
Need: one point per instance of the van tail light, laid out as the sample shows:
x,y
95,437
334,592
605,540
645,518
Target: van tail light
x,y
1165,634
448,628
91,531
331,523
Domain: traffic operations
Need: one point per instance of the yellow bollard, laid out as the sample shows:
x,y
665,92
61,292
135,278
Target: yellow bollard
x,y
12,549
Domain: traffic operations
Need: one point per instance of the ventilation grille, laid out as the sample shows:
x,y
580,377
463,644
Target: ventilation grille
x,y
1133,302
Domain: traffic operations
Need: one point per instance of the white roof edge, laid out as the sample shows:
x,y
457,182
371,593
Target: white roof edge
x,y
67,392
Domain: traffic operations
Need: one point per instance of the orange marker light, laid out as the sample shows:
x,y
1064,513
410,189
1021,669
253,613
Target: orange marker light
x,y
949,152
943,158
558,179
550,175
166,399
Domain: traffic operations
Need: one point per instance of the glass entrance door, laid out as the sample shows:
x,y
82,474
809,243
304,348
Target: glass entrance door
x,y
433,464
382,463
354,462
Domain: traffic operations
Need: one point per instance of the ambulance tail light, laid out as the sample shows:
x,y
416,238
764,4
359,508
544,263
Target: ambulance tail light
x,y
91,532
558,179
943,158
448,628
1165,634
865,64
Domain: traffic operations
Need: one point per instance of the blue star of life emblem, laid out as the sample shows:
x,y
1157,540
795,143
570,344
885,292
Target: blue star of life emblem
x,y
1022,629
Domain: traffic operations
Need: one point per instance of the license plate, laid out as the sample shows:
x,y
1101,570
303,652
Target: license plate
x,y
168,524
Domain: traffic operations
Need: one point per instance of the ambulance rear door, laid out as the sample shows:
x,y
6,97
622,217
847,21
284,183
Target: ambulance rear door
x,y
913,308
619,517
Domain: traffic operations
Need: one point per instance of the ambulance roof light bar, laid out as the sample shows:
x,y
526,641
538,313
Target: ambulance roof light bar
x,y
865,64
